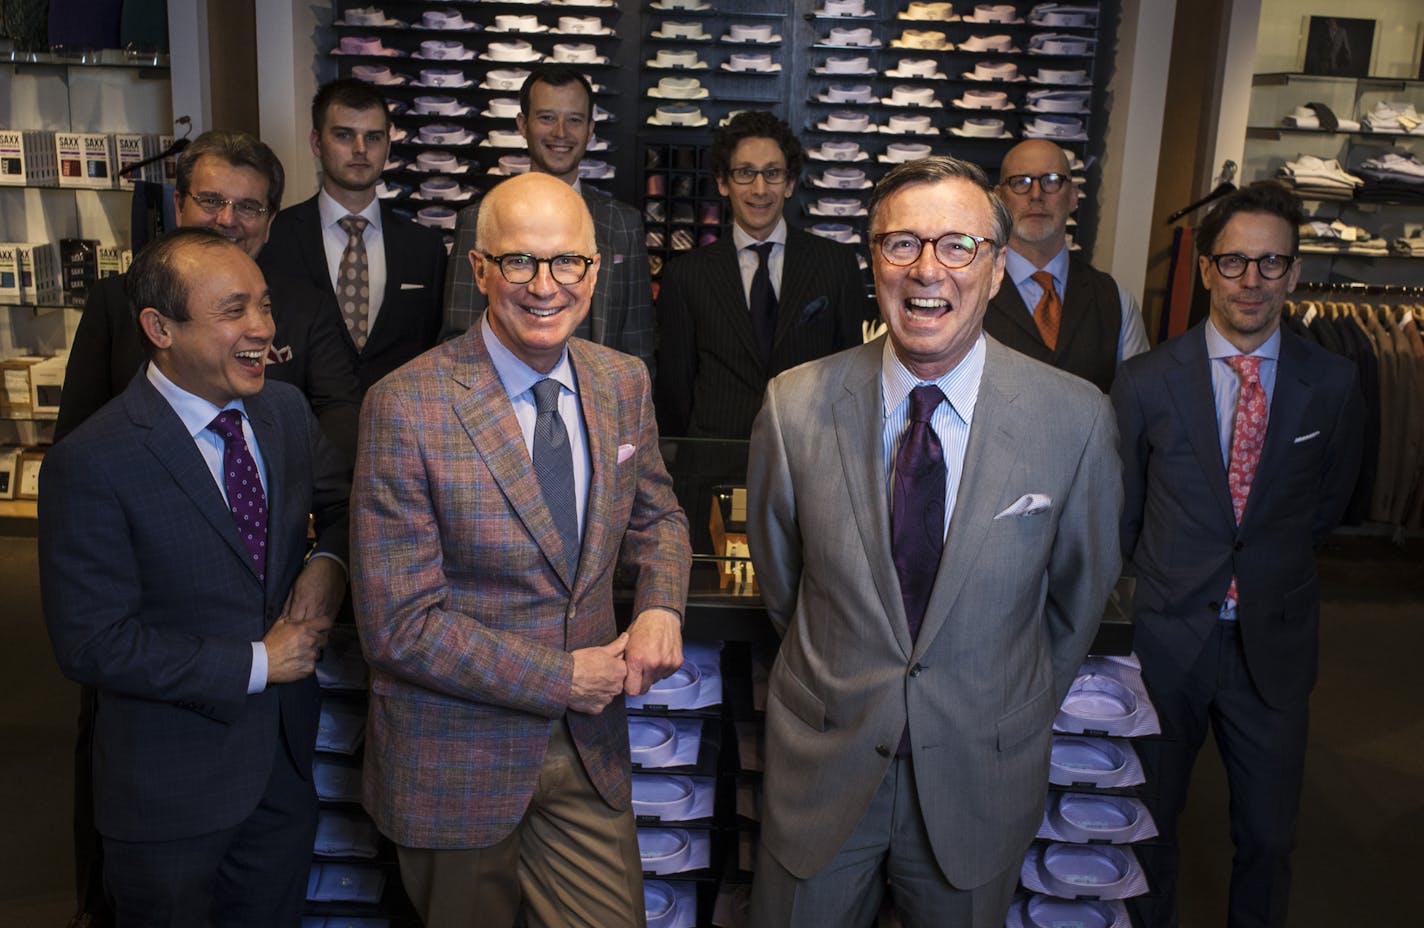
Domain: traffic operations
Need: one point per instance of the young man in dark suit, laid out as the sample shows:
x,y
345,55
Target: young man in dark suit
x,y
386,272
206,704
760,300
1240,445
556,119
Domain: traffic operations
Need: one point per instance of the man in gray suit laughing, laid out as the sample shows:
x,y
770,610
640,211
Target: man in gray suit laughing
x,y
928,634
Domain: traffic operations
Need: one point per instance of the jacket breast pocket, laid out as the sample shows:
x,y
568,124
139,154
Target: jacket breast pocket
x,y
796,696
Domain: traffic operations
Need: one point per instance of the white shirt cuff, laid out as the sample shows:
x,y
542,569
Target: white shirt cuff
x,y
257,679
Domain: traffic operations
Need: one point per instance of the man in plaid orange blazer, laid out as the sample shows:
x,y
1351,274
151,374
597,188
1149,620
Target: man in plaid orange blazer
x,y
497,756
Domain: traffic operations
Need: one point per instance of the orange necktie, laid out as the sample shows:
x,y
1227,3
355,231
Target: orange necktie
x,y
1049,312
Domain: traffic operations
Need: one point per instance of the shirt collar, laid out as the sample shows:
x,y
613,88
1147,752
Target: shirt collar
x,y
1021,269
517,376
960,384
742,240
195,412
332,212
1218,347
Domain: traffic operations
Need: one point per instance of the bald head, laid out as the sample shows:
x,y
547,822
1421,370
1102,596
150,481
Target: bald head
x,y
1040,215
540,198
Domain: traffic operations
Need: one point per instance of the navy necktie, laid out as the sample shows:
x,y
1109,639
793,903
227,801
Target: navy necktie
x,y
244,488
762,301
917,519
554,467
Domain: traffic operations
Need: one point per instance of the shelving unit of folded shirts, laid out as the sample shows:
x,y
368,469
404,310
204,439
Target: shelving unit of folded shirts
x,y
884,89
1353,148
355,878
1082,865
452,77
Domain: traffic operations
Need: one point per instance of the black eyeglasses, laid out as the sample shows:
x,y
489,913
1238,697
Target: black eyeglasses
x,y
772,176
212,204
1270,267
521,268
1051,182
952,249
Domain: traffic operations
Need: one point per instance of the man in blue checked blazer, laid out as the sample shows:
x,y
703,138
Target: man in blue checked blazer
x,y
556,118
183,596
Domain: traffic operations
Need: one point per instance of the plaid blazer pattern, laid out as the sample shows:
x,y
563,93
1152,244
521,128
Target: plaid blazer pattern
x,y
621,314
466,614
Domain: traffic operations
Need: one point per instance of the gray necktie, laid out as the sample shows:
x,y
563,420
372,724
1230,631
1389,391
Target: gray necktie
x,y
554,466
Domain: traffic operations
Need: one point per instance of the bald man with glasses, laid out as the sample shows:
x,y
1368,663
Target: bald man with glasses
x,y
1060,310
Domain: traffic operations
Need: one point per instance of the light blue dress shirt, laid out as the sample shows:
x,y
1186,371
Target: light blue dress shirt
x,y
1132,333
1226,390
519,379
196,413
950,420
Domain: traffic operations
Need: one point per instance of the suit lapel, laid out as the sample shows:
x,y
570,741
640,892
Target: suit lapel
x,y
598,402
388,320
494,431
1288,403
598,309
858,414
988,462
1189,386
274,456
312,244
169,442
726,285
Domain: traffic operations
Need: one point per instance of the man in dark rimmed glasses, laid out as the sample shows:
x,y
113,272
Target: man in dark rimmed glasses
x,y
932,521
1056,307
501,479
759,300
1240,446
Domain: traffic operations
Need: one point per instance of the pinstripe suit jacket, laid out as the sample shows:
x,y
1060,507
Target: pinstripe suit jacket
x,y
621,313
710,374
151,599
466,613
1014,607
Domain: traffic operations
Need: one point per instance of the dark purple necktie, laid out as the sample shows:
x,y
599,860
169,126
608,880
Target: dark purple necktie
x,y
762,301
244,489
917,516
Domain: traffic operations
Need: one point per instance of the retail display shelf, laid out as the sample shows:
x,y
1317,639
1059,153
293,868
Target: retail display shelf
x,y
19,509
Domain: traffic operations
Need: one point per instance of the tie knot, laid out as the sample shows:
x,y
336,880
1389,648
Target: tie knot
x,y
353,225
924,400
763,251
228,424
1247,368
1044,280
546,395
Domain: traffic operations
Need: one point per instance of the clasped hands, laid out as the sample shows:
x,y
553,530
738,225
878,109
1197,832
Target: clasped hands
x,y
649,650
295,640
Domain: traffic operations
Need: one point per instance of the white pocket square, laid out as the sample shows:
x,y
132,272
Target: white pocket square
x,y
412,286
1307,437
1030,504
624,453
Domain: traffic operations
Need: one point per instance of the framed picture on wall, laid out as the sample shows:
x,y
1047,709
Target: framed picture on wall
x,y
1339,47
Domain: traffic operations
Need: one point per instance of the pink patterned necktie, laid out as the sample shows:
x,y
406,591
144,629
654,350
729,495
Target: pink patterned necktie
x,y
244,488
1248,436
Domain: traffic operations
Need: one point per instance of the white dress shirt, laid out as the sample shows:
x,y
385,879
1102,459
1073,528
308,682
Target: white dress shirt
x,y
334,239
747,259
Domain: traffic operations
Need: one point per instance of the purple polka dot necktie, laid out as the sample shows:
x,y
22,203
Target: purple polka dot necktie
x,y
244,489
917,516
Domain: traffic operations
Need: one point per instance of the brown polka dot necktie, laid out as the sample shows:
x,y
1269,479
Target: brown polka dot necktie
x,y
353,280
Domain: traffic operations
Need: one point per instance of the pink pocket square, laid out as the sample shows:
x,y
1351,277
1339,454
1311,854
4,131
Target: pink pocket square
x,y
624,453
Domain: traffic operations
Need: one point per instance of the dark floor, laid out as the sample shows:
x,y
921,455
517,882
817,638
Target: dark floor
x,y
1359,851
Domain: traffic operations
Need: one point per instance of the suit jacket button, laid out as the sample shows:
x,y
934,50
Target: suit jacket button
x,y
1239,546
1214,606
882,750
915,670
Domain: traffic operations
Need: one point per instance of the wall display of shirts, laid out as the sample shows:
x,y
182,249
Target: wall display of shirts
x,y
1353,149
865,85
